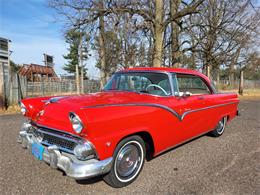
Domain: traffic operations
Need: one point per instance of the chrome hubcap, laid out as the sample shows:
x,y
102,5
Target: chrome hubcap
x,y
128,160
221,125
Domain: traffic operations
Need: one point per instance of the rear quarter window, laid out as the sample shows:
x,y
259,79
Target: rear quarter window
x,y
192,83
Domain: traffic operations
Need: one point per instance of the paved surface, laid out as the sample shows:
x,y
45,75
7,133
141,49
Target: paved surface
x,y
226,165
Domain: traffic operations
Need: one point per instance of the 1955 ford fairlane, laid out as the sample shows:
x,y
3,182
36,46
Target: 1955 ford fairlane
x,y
140,113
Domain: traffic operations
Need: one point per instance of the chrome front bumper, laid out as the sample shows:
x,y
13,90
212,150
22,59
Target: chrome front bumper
x,y
67,162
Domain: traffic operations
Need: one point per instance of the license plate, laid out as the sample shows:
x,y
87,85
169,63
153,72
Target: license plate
x,y
37,150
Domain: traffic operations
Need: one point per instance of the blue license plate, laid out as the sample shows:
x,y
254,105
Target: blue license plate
x,y
37,150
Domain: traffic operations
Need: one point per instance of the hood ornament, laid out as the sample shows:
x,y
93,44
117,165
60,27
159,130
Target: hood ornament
x,y
53,100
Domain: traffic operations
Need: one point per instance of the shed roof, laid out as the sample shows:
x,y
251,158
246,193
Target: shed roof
x,y
28,69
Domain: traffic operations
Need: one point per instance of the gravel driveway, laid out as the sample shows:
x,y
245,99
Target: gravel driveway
x,y
226,165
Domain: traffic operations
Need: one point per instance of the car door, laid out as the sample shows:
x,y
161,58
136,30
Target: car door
x,y
191,103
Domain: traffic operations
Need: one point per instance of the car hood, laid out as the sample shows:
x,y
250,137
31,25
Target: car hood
x,y
55,114
106,97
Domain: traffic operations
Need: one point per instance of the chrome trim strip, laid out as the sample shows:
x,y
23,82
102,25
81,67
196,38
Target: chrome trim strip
x,y
205,108
180,117
171,83
137,104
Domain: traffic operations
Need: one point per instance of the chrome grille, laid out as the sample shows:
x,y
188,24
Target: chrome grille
x,y
64,141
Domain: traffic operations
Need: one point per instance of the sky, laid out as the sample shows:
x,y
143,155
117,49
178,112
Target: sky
x,y
31,26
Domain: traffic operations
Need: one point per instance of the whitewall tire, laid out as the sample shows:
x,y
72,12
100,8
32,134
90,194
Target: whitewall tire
x,y
128,162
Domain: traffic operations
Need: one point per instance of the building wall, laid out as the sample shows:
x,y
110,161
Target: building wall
x,y
1,87
4,70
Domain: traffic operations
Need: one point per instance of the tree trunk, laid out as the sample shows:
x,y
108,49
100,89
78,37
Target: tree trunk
x,y
82,80
81,65
175,46
218,75
208,71
158,34
241,83
193,55
232,68
232,75
102,50
77,78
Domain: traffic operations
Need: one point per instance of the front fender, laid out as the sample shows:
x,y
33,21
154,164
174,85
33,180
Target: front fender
x,y
106,126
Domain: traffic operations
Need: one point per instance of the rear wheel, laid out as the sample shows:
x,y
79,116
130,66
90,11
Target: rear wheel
x,y
128,162
219,130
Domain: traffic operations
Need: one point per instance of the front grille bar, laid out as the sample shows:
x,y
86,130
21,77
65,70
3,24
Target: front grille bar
x,y
57,135
64,142
60,147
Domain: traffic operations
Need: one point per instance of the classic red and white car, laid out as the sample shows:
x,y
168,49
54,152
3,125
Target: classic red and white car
x,y
140,113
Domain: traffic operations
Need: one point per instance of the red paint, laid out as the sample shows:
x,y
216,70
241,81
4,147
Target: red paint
x,y
112,123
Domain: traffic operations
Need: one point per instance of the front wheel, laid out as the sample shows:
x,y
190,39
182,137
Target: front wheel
x,y
219,130
128,162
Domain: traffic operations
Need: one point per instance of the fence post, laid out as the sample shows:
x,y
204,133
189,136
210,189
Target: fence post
x,y
20,86
42,86
26,86
10,98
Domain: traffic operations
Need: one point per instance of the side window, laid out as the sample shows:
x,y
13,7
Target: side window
x,y
193,84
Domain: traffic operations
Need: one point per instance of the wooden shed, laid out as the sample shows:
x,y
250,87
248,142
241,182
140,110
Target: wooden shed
x,y
36,72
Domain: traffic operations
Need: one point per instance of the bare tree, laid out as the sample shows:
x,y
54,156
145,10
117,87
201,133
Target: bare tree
x,y
208,34
155,19
219,32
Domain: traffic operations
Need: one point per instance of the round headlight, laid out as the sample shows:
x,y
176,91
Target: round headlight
x,y
76,122
23,108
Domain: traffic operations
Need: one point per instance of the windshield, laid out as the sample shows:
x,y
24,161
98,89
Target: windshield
x,y
142,82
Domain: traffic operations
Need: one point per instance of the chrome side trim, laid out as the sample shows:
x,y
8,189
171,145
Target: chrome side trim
x,y
168,109
137,104
205,108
